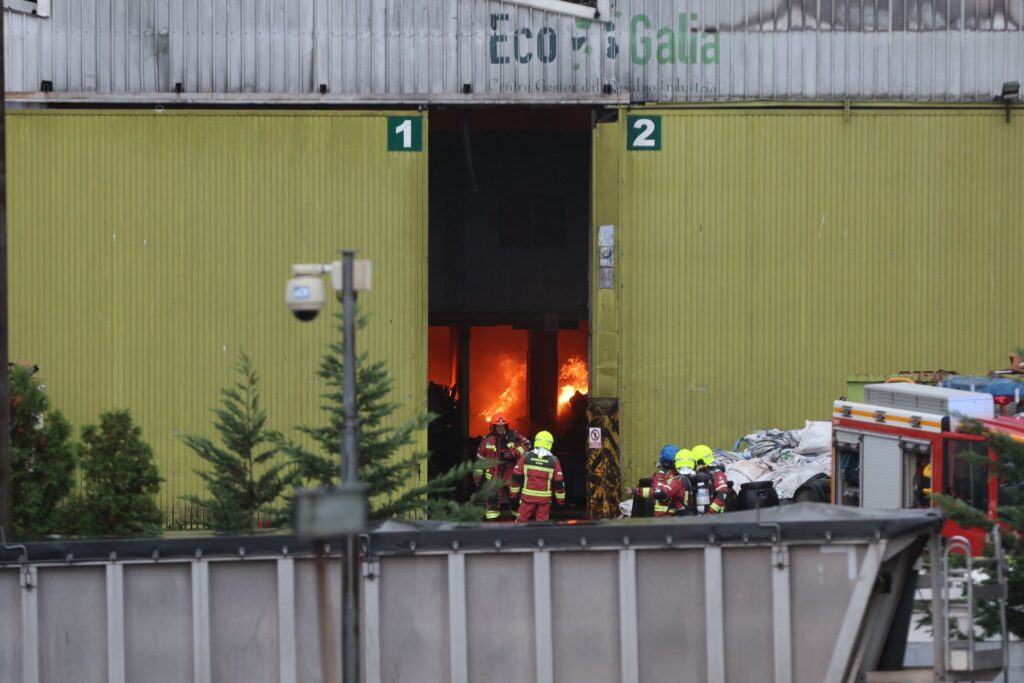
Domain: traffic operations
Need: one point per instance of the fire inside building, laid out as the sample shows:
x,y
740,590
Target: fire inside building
x,y
509,287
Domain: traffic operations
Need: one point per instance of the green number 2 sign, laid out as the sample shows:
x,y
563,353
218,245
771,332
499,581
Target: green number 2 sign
x,y
405,134
644,134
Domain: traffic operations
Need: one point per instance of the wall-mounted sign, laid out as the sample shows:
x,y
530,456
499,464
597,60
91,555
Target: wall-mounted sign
x,y
644,133
405,134
606,256
594,438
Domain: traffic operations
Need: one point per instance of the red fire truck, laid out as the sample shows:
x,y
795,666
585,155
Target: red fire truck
x,y
881,448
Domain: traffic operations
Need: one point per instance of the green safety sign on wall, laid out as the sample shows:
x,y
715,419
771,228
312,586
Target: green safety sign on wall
x,y
644,133
405,134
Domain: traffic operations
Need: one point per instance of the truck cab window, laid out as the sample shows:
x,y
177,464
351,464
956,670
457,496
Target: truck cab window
x,y
965,479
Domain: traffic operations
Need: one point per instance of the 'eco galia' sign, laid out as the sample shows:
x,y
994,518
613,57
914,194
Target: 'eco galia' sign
x,y
684,42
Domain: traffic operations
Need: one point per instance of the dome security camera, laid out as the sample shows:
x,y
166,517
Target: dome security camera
x,y
304,296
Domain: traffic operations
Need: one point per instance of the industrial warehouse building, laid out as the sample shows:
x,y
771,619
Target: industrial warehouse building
x,y
702,216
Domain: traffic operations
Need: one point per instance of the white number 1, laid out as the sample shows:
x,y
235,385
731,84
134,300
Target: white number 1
x,y
646,128
405,128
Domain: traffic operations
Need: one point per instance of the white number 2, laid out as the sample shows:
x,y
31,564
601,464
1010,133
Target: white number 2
x,y
646,128
405,129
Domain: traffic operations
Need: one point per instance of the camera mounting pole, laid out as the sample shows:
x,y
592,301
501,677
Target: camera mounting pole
x,y
352,573
330,512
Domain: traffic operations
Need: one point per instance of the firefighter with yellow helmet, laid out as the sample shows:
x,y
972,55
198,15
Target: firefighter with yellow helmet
x,y
537,477
922,484
711,485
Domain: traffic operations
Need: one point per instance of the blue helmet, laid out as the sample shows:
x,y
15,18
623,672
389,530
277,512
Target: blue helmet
x,y
668,456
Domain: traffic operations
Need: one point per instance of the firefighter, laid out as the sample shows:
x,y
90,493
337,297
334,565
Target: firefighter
x,y
659,480
713,479
536,476
653,494
505,446
678,493
923,486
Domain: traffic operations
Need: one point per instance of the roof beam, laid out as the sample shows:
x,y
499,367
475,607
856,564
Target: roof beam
x,y
559,7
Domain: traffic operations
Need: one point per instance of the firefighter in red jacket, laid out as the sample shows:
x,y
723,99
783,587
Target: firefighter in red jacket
x,y
667,489
716,480
535,478
505,446
675,491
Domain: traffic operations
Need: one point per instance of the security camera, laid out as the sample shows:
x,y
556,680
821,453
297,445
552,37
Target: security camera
x,y
304,296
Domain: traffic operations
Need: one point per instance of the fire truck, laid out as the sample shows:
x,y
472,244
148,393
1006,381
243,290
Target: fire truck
x,y
882,447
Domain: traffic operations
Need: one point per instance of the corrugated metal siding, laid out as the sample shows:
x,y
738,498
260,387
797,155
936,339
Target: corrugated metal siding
x,y
768,255
426,50
147,249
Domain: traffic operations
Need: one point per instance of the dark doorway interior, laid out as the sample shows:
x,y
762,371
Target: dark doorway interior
x,y
509,215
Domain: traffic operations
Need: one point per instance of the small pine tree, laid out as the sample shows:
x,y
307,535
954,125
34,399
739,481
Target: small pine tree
x,y
393,481
239,493
121,480
1008,467
42,458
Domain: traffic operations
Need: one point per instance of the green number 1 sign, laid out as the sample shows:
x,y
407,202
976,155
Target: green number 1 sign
x,y
644,134
405,134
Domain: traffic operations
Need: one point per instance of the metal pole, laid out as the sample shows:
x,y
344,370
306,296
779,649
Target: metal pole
x,y
352,567
324,614
6,504
349,471
938,615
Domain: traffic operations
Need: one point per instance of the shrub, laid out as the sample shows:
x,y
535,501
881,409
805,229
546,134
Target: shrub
x,y
42,458
121,480
239,494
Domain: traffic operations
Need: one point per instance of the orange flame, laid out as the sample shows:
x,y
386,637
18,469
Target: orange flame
x,y
573,378
514,373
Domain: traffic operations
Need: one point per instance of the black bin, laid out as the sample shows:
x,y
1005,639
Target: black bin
x,y
643,507
756,494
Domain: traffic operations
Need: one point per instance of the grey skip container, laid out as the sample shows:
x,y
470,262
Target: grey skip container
x,y
804,592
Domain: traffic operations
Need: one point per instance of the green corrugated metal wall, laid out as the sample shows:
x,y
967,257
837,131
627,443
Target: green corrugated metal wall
x,y
767,254
147,249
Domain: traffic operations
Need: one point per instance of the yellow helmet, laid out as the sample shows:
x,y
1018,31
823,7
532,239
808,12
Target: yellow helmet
x,y
544,440
703,455
684,460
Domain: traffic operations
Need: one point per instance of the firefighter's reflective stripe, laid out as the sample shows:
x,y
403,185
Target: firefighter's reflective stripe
x,y
491,447
514,488
660,507
547,472
492,514
716,507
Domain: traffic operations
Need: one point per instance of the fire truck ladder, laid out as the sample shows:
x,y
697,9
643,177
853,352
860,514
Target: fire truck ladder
x,y
969,658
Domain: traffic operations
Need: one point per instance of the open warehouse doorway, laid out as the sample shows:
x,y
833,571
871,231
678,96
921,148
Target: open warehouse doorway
x,y
508,271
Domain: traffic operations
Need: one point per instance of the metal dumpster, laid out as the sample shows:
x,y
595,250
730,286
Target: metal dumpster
x,y
803,593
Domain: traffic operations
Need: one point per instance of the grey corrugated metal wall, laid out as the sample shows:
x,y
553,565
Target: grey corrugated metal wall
x,y
426,50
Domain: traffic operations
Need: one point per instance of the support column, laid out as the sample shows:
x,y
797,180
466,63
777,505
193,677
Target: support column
x,y
604,475
542,379
462,380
